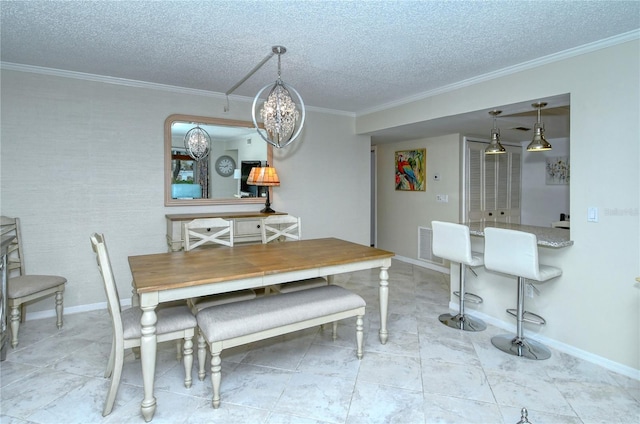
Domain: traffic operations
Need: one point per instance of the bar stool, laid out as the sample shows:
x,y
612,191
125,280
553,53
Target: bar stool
x,y
516,253
453,242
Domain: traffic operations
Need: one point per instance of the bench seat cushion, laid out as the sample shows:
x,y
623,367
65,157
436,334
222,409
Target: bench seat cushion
x,y
238,319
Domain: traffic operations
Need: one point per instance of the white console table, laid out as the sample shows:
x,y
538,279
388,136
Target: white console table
x,y
246,226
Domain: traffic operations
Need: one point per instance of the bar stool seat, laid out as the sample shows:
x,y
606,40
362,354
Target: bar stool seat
x,y
453,242
516,253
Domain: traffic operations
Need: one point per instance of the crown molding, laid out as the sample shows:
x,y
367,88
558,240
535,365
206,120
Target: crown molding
x,y
9,66
556,57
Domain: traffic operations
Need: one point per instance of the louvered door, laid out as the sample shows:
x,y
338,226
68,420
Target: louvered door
x,y
493,184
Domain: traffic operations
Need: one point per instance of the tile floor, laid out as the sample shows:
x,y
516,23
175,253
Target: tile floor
x,y
426,373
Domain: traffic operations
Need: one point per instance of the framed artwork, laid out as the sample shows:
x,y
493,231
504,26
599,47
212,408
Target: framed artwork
x,y
558,170
411,170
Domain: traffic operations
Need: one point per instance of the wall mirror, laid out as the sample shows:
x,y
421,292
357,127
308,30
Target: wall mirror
x,y
220,178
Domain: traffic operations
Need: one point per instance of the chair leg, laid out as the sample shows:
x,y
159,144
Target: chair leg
x,y
359,335
115,382
461,320
109,371
518,345
216,375
59,308
15,325
178,350
202,356
188,360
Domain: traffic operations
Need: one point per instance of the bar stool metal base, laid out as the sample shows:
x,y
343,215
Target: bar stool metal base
x,y
513,345
462,322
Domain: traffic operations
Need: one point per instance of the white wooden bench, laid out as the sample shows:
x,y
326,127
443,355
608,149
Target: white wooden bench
x,y
238,323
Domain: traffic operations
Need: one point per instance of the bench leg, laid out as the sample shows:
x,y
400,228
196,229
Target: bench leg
x,y
359,335
216,375
202,356
335,330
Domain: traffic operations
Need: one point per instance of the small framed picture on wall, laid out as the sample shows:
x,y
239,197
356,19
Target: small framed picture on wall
x,y
558,170
411,170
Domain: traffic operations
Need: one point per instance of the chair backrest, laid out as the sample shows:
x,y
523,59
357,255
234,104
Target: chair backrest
x,y
511,252
452,242
281,226
110,288
203,231
15,262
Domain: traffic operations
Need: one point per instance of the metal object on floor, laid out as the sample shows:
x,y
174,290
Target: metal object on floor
x,y
524,417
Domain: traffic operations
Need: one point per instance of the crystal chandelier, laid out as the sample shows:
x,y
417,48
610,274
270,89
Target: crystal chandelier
x,y
494,146
197,142
282,118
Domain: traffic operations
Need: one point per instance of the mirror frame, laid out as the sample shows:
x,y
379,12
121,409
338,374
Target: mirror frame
x,y
168,200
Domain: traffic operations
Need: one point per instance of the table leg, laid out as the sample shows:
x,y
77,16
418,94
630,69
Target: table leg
x,y
384,303
148,344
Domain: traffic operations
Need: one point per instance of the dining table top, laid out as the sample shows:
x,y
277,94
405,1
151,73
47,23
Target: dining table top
x,y
165,271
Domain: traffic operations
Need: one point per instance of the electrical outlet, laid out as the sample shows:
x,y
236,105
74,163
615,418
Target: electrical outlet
x,y
442,198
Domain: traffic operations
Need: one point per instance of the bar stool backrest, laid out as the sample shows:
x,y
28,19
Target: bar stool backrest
x,y
512,252
453,242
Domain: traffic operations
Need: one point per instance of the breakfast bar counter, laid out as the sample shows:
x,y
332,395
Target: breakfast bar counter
x,y
547,236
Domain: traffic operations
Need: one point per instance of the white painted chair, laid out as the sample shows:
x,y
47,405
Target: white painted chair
x,y
24,288
516,253
453,242
202,233
174,323
280,228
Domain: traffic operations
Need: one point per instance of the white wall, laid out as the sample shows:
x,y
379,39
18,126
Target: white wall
x,y
79,157
594,307
542,204
400,213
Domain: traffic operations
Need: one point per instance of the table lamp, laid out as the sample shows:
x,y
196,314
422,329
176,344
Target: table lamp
x,y
266,176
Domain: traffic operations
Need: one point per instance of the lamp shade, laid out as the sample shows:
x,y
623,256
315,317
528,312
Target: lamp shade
x,y
266,176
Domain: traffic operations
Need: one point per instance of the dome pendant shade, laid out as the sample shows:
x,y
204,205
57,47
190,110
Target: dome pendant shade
x,y
494,147
539,143
198,143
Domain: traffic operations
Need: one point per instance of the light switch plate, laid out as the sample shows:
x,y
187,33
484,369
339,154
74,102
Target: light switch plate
x,y
592,214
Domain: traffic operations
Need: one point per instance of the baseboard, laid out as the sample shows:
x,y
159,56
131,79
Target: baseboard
x,y
557,345
70,310
423,264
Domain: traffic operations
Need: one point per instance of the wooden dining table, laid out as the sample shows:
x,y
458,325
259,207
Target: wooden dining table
x,y
166,277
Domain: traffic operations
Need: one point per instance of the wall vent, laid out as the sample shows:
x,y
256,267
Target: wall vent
x,y
425,253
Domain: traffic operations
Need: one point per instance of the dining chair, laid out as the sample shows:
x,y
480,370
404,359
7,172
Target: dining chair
x,y
24,288
173,323
281,228
203,233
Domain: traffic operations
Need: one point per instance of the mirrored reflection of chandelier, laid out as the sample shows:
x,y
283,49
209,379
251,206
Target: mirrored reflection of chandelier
x,y
197,142
494,147
282,118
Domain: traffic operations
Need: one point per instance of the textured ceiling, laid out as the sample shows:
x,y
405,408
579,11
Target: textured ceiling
x,y
352,56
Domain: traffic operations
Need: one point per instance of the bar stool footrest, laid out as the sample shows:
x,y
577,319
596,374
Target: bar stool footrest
x,y
529,317
469,297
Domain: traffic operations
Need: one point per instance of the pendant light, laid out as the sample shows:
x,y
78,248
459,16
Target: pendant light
x,y
539,143
197,142
494,147
283,119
